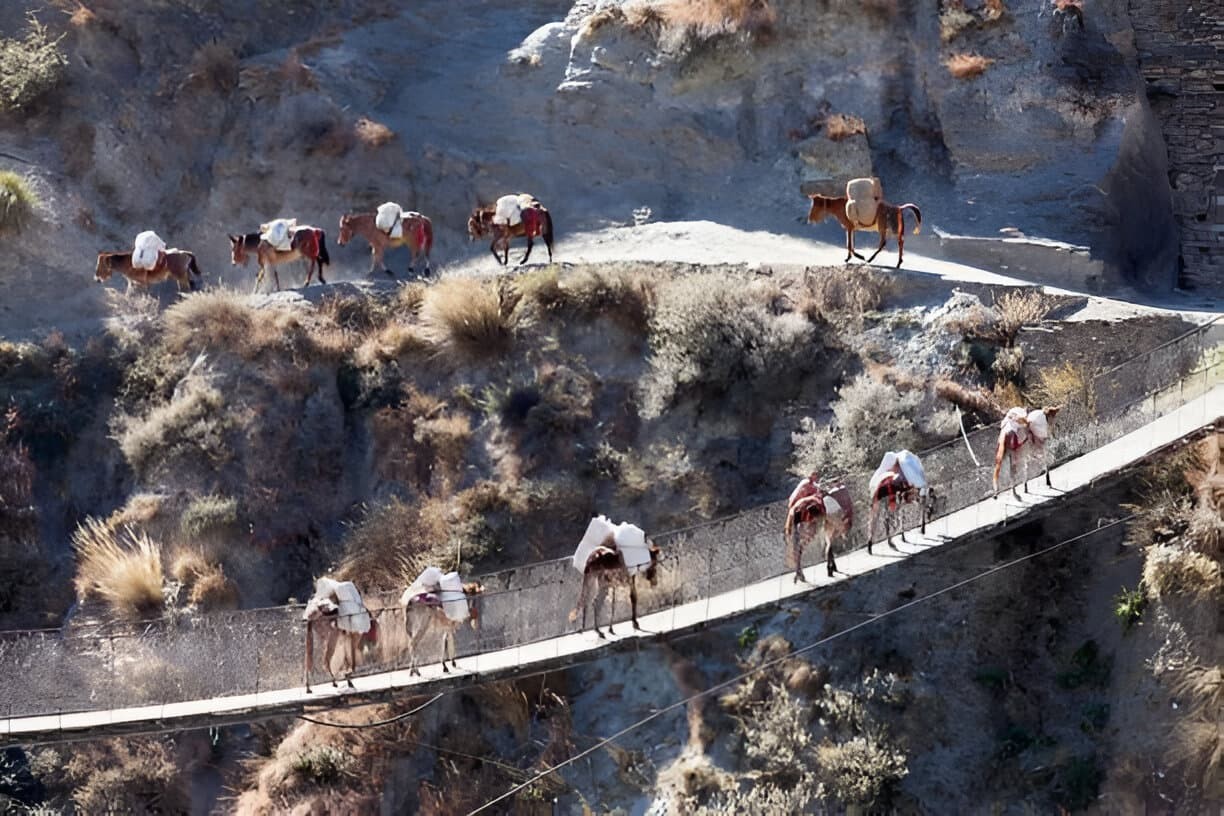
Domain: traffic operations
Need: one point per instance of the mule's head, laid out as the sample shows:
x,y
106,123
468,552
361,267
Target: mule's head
x,y
1050,412
652,571
477,223
346,230
238,255
818,208
472,592
102,271
320,608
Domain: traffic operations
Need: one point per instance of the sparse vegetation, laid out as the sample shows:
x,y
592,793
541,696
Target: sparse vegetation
x,y
839,126
215,66
371,133
709,339
469,318
967,66
194,426
120,567
29,67
322,764
860,770
18,202
1128,606
210,513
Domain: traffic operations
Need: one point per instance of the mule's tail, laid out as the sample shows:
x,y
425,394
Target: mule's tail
x,y
999,454
917,214
324,258
546,231
426,236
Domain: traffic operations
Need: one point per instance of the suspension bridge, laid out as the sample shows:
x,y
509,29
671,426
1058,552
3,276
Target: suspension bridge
x,y
225,668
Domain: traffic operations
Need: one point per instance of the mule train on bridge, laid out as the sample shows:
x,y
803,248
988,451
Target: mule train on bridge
x,y
282,240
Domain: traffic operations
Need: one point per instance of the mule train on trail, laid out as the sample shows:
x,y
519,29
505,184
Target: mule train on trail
x,y
611,556
338,616
389,227
812,507
863,208
438,603
1023,435
150,262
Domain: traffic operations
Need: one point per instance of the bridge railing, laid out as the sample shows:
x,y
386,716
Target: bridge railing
x,y
191,657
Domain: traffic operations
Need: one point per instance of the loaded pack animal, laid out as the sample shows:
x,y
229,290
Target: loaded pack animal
x,y
178,264
609,557
812,507
308,243
899,480
868,211
417,236
525,217
1023,434
438,603
336,615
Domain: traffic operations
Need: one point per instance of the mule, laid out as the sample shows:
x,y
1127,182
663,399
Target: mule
x,y
1021,436
889,218
337,614
308,243
536,222
424,614
809,508
893,490
417,237
178,264
605,571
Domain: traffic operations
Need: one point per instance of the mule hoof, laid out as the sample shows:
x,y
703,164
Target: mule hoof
x,y
391,274
894,546
602,636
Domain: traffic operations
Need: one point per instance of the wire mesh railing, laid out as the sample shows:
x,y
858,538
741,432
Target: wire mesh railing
x,y
199,657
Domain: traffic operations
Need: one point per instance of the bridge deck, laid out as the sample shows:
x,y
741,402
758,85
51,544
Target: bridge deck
x,y
566,650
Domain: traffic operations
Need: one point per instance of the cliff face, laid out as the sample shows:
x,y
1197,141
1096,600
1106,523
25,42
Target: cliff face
x,y
1180,59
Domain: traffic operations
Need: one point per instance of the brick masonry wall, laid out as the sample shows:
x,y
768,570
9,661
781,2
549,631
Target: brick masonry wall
x,y
1181,57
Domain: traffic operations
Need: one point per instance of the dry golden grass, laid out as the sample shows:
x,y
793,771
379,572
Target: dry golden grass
x,y
371,133
1172,570
1068,385
121,568
993,10
839,126
625,295
712,17
79,15
18,201
839,292
953,19
974,400
967,66
397,539
206,585
469,319
395,341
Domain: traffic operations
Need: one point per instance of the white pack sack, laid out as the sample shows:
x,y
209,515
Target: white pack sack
x,y
146,248
454,602
353,616
390,219
911,468
509,209
597,532
631,543
279,233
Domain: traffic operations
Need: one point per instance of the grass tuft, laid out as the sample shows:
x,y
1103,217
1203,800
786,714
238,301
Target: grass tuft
x,y
124,569
371,133
470,319
967,66
18,202
29,67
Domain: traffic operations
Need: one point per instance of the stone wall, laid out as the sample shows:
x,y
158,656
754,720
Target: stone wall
x,y
1181,56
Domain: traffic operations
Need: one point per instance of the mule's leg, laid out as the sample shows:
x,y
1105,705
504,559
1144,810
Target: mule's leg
x,y
276,277
446,642
883,241
612,607
493,249
329,652
259,276
633,602
319,261
900,242
1045,465
871,520
527,254
1021,455
800,538
309,654
351,659
849,245
901,519
829,562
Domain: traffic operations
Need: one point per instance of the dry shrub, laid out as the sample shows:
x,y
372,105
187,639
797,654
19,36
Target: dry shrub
x,y
372,134
469,318
953,19
610,15
869,417
839,126
330,137
209,514
16,475
1068,385
711,18
1170,570
205,583
29,67
122,568
1206,530
967,66
861,770
643,16
193,426
395,341
215,66
711,335
1197,744
395,539
838,292
128,775
993,10
624,295
18,202
974,400
1020,308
